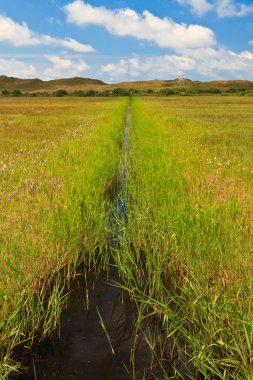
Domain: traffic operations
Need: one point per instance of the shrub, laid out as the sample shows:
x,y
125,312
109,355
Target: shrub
x,y
60,93
16,93
91,93
120,91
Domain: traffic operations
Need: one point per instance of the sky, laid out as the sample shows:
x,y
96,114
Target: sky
x,y
132,40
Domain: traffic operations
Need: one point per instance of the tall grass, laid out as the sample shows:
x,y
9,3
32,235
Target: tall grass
x,y
184,247
58,158
187,257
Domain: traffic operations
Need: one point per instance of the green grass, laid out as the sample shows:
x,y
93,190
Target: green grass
x,y
58,159
186,243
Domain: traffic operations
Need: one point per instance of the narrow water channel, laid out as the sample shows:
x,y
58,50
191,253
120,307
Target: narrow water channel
x,y
85,350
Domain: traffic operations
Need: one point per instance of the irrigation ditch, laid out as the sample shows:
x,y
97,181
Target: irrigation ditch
x,y
98,336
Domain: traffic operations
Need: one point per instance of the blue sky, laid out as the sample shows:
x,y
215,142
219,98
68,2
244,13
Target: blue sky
x,y
127,40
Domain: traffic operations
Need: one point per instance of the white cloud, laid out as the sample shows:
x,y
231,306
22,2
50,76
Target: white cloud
x,y
223,8
217,63
229,8
150,68
54,67
20,35
165,32
208,62
198,6
14,68
54,21
63,68
72,44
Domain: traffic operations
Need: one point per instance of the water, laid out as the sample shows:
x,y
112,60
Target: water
x,y
85,350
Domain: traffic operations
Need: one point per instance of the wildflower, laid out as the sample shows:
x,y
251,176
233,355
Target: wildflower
x,y
32,183
29,183
4,167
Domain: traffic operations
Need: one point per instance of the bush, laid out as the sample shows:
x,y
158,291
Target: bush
x,y
214,91
167,92
120,91
42,93
60,93
105,93
16,93
79,93
133,91
236,90
91,93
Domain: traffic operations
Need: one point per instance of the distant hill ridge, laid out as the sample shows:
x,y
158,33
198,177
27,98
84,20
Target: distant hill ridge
x,y
11,83
79,83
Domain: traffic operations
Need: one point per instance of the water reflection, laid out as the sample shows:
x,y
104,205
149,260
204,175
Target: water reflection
x,y
83,350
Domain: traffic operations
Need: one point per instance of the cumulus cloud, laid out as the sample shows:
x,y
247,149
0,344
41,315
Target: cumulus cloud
x,y
223,8
62,67
14,68
150,67
20,35
52,68
165,32
208,62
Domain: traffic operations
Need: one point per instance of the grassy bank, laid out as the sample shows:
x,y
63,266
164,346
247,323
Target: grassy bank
x,y
184,167
58,159
187,256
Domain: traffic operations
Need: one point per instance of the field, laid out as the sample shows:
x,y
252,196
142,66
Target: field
x,y
183,168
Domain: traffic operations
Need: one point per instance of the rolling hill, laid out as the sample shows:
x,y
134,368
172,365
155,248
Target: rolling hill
x,y
34,85
77,84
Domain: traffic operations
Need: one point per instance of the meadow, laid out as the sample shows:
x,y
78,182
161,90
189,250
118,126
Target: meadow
x,y
184,246
58,159
188,242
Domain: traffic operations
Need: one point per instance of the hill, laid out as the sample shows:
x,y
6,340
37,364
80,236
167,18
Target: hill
x,y
33,85
186,83
84,84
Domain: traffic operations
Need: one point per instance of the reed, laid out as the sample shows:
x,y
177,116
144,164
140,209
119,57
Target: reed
x,y
187,257
180,229
58,160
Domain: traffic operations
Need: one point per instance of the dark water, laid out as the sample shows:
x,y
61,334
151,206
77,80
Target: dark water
x,y
83,350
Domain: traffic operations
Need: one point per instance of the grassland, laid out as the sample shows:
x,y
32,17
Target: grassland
x,y
58,159
186,242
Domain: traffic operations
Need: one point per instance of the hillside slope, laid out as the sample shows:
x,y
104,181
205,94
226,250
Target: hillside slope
x,y
31,85
75,84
